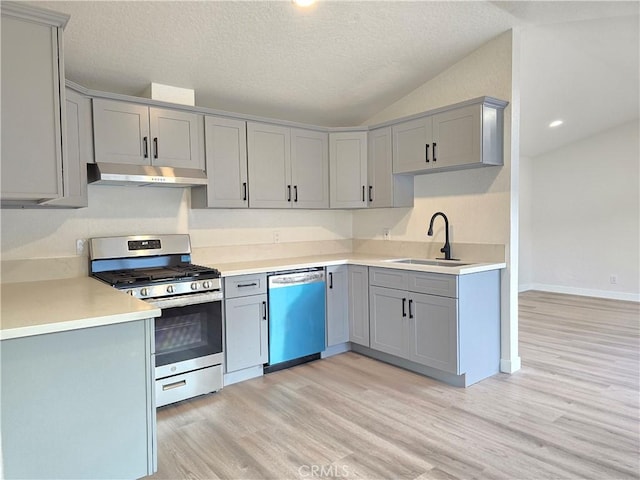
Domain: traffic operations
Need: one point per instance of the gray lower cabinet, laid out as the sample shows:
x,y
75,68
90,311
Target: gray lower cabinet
x,y
32,104
80,403
246,322
445,322
358,304
337,305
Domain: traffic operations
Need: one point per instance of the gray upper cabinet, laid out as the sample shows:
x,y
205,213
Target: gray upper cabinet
x,y
337,305
226,162
288,167
136,134
33,104
461,137
385,189
269,159
359,304
348,169
309,168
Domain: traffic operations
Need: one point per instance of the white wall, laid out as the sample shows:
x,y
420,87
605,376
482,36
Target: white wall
x,y
477,202
114,210
585,216
525,250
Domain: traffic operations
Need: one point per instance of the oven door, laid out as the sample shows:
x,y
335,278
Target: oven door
x,y
188,336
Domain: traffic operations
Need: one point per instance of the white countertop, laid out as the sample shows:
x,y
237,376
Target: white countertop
x,y
369,260
34,308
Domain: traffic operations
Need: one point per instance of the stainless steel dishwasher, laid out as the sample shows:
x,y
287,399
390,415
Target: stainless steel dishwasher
x,y
297,317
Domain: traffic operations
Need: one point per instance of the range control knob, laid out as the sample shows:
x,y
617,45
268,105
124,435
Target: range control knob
x,y
170,289
131,292
206,284
144,292
194,286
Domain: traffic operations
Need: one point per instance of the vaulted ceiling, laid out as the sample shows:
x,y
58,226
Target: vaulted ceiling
x,y
340,62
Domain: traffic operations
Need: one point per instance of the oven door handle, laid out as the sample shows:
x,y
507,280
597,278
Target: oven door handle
x,y
187,299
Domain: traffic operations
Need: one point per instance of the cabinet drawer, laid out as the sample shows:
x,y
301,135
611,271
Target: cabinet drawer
x,y
434,284
387,277
243,285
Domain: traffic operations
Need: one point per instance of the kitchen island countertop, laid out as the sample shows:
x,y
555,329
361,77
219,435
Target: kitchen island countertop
x,y
49,306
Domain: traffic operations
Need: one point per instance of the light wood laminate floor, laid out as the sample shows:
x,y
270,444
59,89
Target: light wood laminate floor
x,y
572,411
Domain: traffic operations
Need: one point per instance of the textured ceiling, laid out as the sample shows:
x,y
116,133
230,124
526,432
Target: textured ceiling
x,y
336,64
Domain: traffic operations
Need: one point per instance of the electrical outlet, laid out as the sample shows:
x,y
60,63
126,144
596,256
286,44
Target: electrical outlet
x,y
386,234
80,246
613,279
276,236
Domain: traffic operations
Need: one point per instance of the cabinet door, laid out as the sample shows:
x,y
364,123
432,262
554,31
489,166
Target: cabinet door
x,y
337,305
348,169
269,160
457,137
226,161
412,145
380,189
31,110
388,310
310,168
433,335
176,138
246,332
121,132
359,304
78,150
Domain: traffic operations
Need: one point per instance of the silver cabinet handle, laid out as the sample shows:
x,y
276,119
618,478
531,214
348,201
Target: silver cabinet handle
x,y
171,386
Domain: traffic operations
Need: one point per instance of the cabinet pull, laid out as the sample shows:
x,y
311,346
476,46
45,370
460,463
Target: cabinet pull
x,y
363,188
330,279
264,310
242,285
404,311
145,147
410,312
244,190
434,151
171,386
426,152
155,147
371,193
288,193
295,191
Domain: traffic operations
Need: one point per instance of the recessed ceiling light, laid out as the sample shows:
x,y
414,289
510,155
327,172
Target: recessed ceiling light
x,y
304,3
556,123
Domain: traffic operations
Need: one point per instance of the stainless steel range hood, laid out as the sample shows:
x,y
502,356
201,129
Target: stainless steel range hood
x,y
144,175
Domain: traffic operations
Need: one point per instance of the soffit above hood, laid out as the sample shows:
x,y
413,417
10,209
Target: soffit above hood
x,y
144,175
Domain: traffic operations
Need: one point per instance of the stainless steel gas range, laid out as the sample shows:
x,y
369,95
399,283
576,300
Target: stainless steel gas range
x,y
188,335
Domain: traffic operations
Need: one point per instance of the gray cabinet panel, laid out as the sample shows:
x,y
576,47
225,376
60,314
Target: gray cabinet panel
x,y
310,168
348,169
246,332
388,325
433,336
81,401
32,109
412,145
269,159
434,284
387,277
175,138
226,165
359,304
121,132
457,136
337,305
385,189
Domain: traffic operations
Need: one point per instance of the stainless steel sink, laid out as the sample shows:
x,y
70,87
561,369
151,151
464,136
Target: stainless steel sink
x,y
437,263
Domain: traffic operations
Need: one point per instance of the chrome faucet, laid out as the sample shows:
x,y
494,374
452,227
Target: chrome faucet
x,y
447,248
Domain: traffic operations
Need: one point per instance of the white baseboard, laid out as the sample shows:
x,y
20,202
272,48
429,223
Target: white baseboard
x,y
510,365
242,375
524,287
585,292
